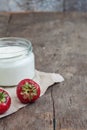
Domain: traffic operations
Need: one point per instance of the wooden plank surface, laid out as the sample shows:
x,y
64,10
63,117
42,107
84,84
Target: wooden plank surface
x,y
59,43
70,99
4,21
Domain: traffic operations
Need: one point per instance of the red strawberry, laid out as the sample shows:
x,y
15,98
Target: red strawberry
x,y
28,91
5,101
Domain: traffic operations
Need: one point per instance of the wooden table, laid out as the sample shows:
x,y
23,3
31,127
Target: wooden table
x,y
60,45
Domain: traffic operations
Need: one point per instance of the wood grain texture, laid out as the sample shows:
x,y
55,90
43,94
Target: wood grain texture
x,y
59,43
4,21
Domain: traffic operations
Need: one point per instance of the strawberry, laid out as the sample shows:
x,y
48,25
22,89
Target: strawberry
x,y
5,101
27,91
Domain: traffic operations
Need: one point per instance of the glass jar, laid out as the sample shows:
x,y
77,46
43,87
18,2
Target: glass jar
x,y
17,60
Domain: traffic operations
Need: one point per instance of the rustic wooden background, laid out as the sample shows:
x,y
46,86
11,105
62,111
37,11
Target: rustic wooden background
x,y
43,5
60,45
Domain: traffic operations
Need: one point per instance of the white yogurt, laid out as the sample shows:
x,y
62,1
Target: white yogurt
x,y
16,62
11,51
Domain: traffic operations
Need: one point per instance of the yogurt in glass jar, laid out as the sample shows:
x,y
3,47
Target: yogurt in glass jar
x,y
17,60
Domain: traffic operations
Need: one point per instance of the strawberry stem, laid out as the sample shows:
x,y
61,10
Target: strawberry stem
x,y
29,91
2,97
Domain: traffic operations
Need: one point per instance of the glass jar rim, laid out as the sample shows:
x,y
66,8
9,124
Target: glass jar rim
x,y
5,42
